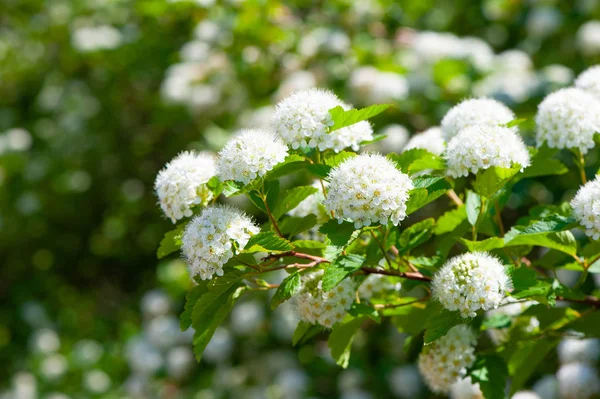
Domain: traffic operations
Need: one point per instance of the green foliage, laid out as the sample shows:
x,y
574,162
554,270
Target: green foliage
x,y
491,373
341,268
427,189
340,340
291,199
492,179
542,164
171,242
267,241
342,118
439,322
288,287
450,220
338,234
415,235
416,160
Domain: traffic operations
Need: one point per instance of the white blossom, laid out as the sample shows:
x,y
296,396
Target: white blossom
x,y
470,282
376,285
181,184
571,350
430,140
303,120
395,140
589,81
314,305
212,237
588,38
586,208
250,154
480,147
368,189
475,111
578,381
406,382
568,118
445,361
525,395
372,86
465,389
94,38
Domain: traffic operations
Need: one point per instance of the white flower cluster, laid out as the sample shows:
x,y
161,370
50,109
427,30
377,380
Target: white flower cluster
x,y
578,381
568,118
210,239
181,184
588,38
250,154
375,285
470,282
94,38
372,86
586,208
430,140
446,360
466,389
303,120
571,350
476,111
313,305
368,189
480,147
589,81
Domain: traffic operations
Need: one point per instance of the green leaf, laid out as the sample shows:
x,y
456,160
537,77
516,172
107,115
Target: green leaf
x,y
427,189
450,220
267,241
308,244
527,285
515,122
497,321
304,331
439,322
213,306
340,340
215,185
524,357
588,325
288,287
271,189
192,297
416,160
292,226
338,234
485,245
171,242
542,164
292,199
360,309
488,182
342,118
409,319
473,207
563,241
415,235
341,268
335,159
291,164
491,373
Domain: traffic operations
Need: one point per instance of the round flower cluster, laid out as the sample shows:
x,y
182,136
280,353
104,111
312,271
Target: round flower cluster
x,y
445,361
568,118
313,305
586,208
250,154
571,350
480,147
368,189
589,81
210,239
470,282
375,285
578,381
430,140
476,111
303,120
181,184
466,389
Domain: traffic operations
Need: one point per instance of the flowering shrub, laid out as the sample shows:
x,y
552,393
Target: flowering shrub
x,y
354,232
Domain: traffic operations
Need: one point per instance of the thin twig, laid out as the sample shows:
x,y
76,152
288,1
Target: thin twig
x,y
454,197
589,300
407,275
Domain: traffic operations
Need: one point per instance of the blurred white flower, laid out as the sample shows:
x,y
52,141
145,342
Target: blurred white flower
x,y
220,346
95,38
45,340
588,38
547,387
247,317
525,395
397,136
295,81
372,86
465,389
405,382
96,381
543,21
53,366
589,81
430,140
163,332
87,352
142,357
180,362
156,303
578,381
571,350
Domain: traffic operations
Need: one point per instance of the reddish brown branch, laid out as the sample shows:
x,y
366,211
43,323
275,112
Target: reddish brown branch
x,y
588,300
408,275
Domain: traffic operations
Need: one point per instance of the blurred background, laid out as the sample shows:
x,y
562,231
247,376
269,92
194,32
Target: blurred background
x,y
97,95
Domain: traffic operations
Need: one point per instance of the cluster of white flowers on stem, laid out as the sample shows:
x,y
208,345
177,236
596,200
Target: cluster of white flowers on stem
x,y
303,120
181,184
480,147
477,111
314,305
430,140
368,189
470,282
212,238
568,118
586,208
446,360
250,154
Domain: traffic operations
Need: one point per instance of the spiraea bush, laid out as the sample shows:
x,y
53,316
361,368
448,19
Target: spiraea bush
x,y
350,227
